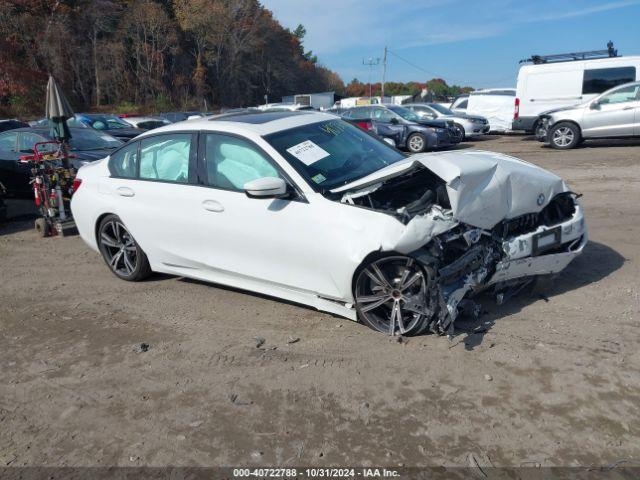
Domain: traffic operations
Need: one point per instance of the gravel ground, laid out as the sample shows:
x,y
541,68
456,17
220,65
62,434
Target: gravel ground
x,y
547,379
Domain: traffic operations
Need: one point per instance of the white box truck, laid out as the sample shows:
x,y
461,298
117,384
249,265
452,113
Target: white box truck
x,y
557,81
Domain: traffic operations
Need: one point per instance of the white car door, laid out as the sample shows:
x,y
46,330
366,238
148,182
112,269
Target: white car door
x,y
613,114
250,242
152,183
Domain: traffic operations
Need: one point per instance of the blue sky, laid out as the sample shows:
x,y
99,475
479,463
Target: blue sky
x,y
476,43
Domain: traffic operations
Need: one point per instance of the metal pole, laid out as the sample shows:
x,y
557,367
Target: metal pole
x,y
384,71
371,64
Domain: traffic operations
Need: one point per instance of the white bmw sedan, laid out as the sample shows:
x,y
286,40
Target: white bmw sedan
x,y
306,207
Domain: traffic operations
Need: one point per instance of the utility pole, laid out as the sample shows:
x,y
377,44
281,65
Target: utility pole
x,y
384,71
371,64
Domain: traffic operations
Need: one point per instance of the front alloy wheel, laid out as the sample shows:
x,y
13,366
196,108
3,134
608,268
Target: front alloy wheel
x,y
416,143
564,136
120,251
392,296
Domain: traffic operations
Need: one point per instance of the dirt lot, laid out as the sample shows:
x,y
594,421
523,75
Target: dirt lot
x,y
550,379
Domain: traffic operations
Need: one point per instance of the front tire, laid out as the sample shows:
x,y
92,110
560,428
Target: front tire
x,y
393,295
416,143
122,254
564,136
460,131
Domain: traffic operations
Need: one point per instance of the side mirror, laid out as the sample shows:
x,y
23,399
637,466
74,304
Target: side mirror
x,y
266,187
389,141
595,105
394,121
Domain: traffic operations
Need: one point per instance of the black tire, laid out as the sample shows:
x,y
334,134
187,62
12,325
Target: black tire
x,y
538,130
120,251
460,130
42,227
416,143
393,295
564,135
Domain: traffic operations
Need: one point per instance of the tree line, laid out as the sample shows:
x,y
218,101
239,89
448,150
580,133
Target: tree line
x,y
158,55
155,54
437,87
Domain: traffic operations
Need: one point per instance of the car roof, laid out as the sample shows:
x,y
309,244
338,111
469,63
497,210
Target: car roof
x,y
261,123
40,129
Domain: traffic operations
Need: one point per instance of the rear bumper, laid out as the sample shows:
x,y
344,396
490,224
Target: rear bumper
x,y
477,130
524,123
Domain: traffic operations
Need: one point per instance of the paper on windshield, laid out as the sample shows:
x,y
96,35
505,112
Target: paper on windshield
x,y
308,152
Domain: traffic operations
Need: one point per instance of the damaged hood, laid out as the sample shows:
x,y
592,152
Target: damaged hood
x,y
484,188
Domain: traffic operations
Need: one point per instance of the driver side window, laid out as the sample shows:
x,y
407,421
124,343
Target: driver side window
x,y
622,95
231,162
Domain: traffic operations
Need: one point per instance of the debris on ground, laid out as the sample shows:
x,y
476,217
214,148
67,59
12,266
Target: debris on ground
x,y
257,455
237,401
291,340
259,341
488,377
142,348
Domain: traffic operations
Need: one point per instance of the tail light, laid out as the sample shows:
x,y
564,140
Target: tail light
x,y
76,185
365,125
516,112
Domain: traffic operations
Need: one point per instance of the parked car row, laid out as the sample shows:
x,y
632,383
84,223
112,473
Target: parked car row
x,y
405,128
93,136
86,145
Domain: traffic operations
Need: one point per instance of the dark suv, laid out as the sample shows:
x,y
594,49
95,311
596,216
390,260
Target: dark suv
x,y
406,129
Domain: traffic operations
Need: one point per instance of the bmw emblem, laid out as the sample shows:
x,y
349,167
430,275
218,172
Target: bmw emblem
x,y
540,199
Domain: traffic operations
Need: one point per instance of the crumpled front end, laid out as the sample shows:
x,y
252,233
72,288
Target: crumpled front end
x,y
476,220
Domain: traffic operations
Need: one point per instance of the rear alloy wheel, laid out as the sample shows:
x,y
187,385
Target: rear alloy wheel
x,y
416,143
564,136
120,251
391,296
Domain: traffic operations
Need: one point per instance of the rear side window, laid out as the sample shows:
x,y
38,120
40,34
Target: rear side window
x,y
166,158
602,79
124,162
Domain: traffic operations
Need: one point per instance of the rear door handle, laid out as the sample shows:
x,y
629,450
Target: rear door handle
x,y
628,108
125,192
213,206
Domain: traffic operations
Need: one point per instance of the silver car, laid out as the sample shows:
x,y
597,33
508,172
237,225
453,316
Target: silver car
x,y
467,125
615,113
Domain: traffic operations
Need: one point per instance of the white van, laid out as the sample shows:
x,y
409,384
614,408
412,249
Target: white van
x,y
494,104
546,86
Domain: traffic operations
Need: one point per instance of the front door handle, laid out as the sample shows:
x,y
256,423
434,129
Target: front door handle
x,y
213,206
628,108
125,192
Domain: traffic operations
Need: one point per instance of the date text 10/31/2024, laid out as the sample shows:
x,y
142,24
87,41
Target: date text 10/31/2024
x,y
288,473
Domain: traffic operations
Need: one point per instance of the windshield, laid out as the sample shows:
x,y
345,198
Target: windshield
x,y
332,153
87,139
440,108
405,113
107,122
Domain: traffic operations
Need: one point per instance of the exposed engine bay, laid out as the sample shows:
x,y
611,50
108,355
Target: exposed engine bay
x,y
460,259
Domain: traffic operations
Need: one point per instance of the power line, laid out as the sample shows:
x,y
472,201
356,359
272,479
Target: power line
x,y
435,75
